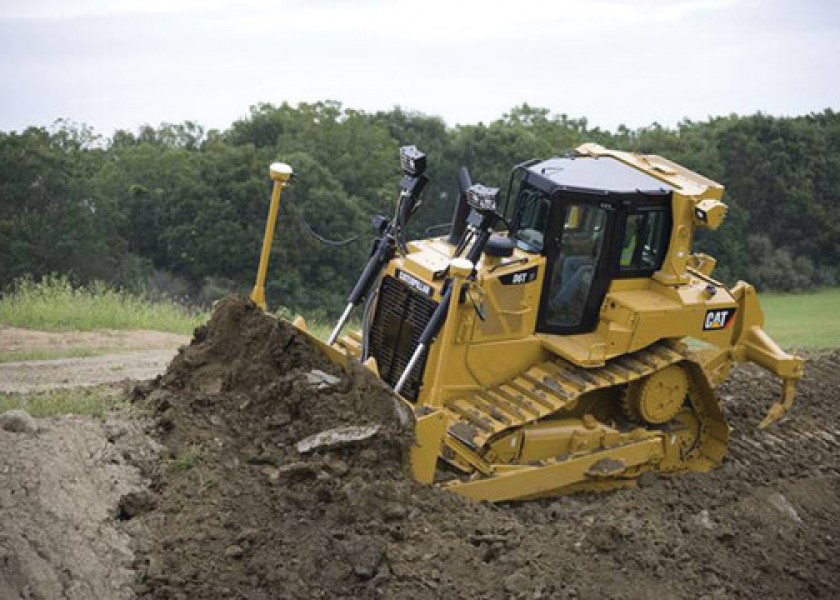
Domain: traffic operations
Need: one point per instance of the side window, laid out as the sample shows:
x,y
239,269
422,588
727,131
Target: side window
x,y
532,216
645,240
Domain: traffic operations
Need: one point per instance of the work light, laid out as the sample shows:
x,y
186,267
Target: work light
x,y
481,197
412,161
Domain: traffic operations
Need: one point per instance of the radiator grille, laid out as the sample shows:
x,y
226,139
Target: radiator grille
x,y
400,317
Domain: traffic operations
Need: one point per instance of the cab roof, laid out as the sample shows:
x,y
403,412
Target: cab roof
x,y
593,174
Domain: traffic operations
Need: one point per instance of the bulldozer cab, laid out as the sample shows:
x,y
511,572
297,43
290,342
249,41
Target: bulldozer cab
x,y
595,219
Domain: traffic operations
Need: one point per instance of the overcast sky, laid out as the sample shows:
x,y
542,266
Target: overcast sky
x,y
120,64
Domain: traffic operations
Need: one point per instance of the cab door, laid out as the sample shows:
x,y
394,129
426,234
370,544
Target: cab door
x,y
578,251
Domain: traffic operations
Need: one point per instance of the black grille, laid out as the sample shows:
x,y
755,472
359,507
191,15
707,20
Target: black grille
x,y
400,317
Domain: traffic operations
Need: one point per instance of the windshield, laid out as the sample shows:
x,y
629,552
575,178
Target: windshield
x,y
530,220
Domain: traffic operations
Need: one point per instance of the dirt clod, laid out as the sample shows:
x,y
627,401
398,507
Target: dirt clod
x,y
18,421
135,503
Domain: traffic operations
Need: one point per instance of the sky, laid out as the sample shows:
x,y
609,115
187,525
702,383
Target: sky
x,y
115,64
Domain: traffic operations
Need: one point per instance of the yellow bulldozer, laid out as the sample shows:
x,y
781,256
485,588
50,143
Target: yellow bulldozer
x,y
566,341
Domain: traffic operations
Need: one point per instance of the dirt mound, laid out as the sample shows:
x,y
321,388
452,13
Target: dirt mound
x,y
61,483
244,511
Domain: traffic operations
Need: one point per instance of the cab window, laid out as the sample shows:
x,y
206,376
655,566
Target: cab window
x,y
531,219
645,240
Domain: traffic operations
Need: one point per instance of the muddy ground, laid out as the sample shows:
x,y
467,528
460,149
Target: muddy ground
x,y
233,509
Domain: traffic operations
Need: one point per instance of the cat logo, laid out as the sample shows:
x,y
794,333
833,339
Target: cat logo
x,y
718,319
413,282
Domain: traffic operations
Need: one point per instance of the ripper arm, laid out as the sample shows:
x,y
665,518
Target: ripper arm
x,y
752,344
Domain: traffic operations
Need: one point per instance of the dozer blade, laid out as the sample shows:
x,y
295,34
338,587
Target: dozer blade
x,y
333,353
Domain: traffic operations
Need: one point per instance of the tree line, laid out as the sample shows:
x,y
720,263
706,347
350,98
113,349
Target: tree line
x,y
180,210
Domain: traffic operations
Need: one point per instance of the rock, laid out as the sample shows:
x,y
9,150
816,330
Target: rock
x,y
367,561
338,466
272,473
647,479
248,534
264,457
781,504
294,472
155,568
320,379
114,431
135,503
339,436
211,385
517,582
394,512
160,400
703,519
18,421
234,551
368,455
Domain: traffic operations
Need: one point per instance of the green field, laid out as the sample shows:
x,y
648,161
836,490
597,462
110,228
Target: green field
x,y
56,305
77,401
54,353
803,320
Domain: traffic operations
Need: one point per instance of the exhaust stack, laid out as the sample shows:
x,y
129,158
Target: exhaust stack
x,y
462,209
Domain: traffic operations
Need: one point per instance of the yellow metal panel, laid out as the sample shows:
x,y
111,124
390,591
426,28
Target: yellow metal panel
x,y
523,481
428,436
686,181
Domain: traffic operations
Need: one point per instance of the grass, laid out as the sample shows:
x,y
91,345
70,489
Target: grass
x,y
803,320
322,329
186,459
77,401
54,353
54,304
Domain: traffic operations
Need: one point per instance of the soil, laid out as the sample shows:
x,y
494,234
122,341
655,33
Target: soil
x,y
62,482
42,375
239,512
15,339
137,354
